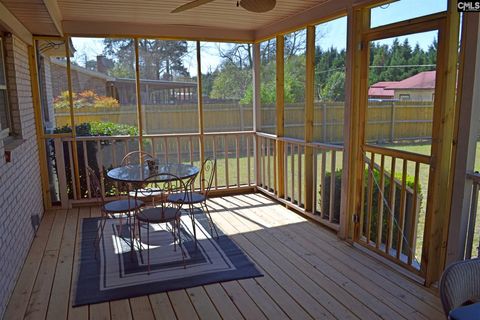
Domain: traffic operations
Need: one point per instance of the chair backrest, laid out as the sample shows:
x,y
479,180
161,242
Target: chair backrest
x,y
207,173
166,184
136,157
95,186
460,283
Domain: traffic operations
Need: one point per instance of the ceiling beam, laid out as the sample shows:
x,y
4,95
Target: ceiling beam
x,y
55,14
322,12
11,23
121,29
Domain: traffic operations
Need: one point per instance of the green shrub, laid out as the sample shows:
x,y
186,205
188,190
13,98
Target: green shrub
x,y
410,182
91,129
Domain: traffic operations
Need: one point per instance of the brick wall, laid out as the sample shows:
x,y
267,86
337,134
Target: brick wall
x,y
80,80
20,186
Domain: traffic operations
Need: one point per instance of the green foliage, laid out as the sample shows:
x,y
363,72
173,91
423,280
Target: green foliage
x,y
376,197
84,99
231,82
100,129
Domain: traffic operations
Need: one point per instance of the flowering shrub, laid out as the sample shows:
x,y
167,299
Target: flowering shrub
x,y
84,99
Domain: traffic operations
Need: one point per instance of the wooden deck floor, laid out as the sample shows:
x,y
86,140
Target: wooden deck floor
x,y
308,272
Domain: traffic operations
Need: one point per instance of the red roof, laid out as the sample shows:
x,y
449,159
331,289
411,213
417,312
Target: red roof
x,y
378,90
386,89
422,80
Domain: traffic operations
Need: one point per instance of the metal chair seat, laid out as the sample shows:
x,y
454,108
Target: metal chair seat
x,y
122,206
189,198
158,215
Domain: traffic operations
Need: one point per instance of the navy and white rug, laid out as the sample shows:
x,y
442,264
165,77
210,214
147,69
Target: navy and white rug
x,y
116,273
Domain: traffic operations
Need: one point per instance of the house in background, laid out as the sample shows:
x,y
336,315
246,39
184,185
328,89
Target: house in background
x,y
420,87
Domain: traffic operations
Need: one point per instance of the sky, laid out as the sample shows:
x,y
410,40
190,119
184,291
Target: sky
x,y
333,33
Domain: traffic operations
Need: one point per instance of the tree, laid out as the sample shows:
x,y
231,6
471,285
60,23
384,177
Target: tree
x,y
158,59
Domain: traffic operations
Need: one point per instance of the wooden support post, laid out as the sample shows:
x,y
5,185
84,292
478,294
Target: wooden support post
x,y
354,123
466,134
139,97
280,131
256,107
201,122
76,170
309,114
42,152
438,204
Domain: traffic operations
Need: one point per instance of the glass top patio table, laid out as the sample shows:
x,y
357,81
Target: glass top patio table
x,y
137,173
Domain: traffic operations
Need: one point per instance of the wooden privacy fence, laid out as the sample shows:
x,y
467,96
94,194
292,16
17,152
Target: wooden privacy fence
x,y
387,121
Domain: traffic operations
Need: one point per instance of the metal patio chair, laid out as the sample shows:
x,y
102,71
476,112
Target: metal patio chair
x,y
116,209
194,199
164,211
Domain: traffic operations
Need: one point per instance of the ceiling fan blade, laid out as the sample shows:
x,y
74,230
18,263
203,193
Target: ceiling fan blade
x,y
191,5
258,6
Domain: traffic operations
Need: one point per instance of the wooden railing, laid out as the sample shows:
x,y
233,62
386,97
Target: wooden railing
x,y
234,152
392,204
473,233
327,159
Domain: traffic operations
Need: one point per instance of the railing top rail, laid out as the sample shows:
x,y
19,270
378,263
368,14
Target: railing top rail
x,y
229,133
410,156
316,145
474,176
266,135
150,136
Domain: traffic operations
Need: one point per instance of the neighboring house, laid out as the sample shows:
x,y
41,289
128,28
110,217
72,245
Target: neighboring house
x,y
420,87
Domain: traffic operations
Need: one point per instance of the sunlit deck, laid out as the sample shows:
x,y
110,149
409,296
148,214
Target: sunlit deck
x,y
308,273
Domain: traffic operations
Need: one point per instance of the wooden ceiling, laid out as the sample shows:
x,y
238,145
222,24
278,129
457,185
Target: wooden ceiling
x,y
117,17
33,14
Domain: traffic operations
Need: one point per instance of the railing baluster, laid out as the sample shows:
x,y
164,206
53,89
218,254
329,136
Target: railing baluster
x,y
214,147
165,141
315,181
113,145
179,157
225,140
412,239
370,196
401,219
378,241
249,174
154,151
268,163
391,206
300,174
85,162
322,182
190,146
292,158
100,167
274,148
237,151
263,151
72,170
285,168
472,220
332,185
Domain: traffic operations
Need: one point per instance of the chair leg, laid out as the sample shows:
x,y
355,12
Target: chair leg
x,y
192,217
98,238
148,247
204,204
174,237
180,243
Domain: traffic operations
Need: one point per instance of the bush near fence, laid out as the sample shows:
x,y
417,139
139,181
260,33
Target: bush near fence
x,y
325,203
387,121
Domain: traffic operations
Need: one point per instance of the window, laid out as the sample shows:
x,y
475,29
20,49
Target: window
x,y
404,97
4,107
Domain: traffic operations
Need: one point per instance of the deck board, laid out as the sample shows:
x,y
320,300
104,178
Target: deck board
x,y
309,273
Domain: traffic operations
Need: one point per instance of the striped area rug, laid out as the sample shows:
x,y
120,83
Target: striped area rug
x,y
114,272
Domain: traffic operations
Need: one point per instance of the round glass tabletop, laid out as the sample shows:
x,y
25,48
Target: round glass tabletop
x,y
136,173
